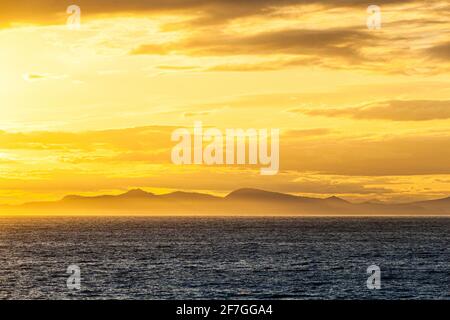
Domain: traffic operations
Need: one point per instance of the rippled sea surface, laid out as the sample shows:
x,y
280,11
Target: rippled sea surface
x,y
224,258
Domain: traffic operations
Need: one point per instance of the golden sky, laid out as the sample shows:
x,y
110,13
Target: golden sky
x,y
364,114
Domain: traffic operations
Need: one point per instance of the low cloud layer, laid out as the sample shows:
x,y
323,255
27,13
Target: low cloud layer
x,y
315,150
396,110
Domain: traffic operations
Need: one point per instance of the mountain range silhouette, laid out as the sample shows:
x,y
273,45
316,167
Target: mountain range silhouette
x,y
239,202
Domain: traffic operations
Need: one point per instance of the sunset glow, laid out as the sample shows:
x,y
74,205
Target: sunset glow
x,y
364,114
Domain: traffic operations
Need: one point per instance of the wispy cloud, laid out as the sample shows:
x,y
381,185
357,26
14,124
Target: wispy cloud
x,y
32,77
440,51
209,11
395,110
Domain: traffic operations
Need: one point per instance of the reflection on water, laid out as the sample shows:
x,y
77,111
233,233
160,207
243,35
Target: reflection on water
x,y
229,258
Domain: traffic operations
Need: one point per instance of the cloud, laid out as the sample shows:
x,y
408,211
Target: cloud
x,y
214,28
275,100
209,11
386,156
349,47
32,77
177,68
441,51
342,42
196,114
395,110
300,134
268,65
129,139
320,150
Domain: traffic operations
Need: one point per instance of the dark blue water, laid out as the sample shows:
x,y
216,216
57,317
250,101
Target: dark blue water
x,y
224,258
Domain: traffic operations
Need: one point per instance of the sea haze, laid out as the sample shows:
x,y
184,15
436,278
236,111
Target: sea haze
x,y
240,202
224,258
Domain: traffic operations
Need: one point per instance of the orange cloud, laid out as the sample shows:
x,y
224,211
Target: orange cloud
x,y
396,110
211,11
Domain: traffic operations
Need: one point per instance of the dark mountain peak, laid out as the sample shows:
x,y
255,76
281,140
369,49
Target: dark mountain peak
x,y
440,201
446,199
241,201
182,195
336,200
133,193
137,193
247,192
70,197
257,194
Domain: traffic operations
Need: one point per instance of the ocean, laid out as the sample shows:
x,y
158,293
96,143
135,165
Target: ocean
x,y
224,258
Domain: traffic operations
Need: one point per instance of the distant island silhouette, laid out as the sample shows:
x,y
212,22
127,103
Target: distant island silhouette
x,y
239,202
